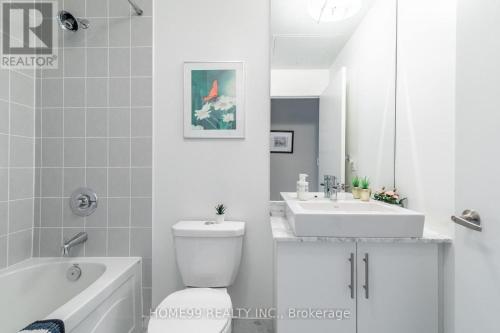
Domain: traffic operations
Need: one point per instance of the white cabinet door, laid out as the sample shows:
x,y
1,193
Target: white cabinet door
x,y
315,275
402,295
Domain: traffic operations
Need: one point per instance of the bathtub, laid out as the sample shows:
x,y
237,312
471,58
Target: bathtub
x,y
107,298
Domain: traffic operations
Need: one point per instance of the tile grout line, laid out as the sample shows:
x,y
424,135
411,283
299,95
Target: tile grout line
x,y
108,131
113,197
81,167
85,180
40,177
17,103
113,17
92,228
17,232
17,200
94,107
82,137
100,77
33,160
112,47
21,73
61,242
16,168
8,174
130,136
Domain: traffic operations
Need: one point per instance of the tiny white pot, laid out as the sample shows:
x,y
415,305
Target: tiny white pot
x,y
220,218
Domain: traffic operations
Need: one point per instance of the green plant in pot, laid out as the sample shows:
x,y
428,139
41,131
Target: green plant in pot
x,y
356,191
365,189
220,213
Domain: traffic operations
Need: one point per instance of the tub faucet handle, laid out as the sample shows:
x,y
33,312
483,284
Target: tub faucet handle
x,y
83,201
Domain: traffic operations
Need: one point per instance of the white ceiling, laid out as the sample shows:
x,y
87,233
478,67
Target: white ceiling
x,y
299,42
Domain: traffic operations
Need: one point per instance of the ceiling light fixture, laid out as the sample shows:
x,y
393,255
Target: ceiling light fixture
x,y
333,10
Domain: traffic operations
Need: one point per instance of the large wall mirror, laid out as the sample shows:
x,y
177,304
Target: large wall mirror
x,y
333,85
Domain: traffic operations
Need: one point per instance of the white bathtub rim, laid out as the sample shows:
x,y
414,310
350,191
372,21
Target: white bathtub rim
x,y
118,270
79,307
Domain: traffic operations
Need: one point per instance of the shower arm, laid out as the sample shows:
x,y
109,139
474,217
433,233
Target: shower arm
x,y
137,9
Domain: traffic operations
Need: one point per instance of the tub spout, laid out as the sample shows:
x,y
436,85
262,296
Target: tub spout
x,y
77,239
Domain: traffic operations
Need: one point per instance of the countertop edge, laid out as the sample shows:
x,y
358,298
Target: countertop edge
x,y
281,232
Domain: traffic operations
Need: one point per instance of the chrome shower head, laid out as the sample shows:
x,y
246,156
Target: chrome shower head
x,y
68,22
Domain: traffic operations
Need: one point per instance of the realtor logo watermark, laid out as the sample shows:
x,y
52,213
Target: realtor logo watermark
x,y
29,39
193,313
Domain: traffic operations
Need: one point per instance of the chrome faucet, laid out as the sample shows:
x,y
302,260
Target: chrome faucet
x,y
77,239
330,187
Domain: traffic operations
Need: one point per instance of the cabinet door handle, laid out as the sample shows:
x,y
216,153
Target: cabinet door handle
x,y
367,278
351,286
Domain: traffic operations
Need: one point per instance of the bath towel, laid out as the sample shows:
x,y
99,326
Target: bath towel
x,y
45,326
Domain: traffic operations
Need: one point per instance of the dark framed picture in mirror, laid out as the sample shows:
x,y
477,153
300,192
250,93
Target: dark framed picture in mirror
x,y
281,142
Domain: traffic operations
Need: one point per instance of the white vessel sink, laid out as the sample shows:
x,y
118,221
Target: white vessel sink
x,y
347,217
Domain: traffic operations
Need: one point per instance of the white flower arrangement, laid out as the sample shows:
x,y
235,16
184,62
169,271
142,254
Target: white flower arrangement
x,y
219,113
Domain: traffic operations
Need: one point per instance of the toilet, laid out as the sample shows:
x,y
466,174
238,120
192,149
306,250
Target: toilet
x,y
208,257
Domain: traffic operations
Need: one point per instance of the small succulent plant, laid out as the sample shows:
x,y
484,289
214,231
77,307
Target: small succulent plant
x,y
355,181
220,209
365,183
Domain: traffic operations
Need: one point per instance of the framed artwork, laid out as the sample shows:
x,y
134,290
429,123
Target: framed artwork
x,y
214,100
281,142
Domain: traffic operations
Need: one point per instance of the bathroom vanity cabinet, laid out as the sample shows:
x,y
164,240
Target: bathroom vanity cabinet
x,y
386,287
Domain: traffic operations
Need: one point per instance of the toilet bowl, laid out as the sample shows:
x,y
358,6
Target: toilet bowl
x,y
208,257
203,310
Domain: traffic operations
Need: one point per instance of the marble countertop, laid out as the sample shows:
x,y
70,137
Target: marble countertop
x,y
282,233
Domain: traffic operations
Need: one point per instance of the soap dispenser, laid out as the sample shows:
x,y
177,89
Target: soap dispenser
x,y
302,187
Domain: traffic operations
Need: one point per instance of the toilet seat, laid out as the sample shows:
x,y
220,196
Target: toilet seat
x,y
193,310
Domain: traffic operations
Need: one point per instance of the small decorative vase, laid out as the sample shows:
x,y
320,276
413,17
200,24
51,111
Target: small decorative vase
x,y
365,194
356,192
219,218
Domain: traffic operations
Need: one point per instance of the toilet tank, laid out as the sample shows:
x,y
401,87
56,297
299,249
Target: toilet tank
x,y
208,254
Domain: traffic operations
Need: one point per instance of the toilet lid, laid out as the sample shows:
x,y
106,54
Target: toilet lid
x,y
192,310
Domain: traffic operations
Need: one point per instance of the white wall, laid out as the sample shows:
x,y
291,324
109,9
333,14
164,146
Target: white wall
x,y
425,123
369,57
191,176
299,82
302,117
426,106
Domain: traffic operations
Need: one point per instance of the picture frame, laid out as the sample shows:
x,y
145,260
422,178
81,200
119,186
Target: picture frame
x,y
214,100
281,142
